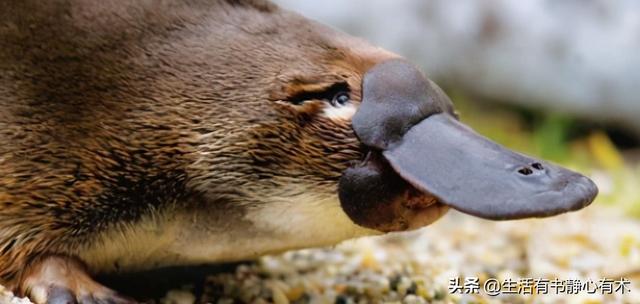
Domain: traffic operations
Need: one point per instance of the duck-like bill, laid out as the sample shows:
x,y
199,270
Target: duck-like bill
x,y
472,174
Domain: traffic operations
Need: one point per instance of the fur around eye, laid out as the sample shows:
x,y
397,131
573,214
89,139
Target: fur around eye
x,y
337,94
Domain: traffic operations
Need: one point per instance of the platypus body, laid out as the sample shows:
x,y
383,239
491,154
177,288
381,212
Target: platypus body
x,y
140,134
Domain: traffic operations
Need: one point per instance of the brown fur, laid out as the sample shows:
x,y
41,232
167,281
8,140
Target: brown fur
x,y
113,110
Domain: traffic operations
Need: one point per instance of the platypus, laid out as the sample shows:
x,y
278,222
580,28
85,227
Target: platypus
x,y
142,134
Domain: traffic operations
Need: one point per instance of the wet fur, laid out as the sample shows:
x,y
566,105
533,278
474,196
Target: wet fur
x,y
115,113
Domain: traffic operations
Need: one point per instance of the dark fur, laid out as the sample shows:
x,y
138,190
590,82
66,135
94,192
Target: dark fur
x,y
104,104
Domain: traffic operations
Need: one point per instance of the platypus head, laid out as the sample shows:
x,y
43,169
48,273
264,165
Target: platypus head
x,y
320,136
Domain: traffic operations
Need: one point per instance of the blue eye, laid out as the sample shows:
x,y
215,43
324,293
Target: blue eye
x,y
340,99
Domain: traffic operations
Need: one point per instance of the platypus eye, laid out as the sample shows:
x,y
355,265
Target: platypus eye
x,y
340,99
337,94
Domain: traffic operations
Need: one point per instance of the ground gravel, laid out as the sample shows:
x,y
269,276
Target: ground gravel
x,y
417,267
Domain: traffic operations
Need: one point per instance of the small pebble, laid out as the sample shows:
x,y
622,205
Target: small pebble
x,y
179,297
413,299
279,297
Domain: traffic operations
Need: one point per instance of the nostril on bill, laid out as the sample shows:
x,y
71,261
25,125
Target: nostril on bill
x,y
525,171
537,166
